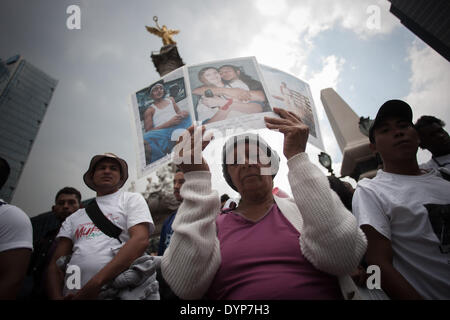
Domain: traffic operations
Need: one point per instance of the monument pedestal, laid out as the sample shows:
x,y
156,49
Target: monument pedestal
x,y
358,160
167,59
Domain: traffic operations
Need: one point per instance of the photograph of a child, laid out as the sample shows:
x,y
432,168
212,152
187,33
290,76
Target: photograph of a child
x,y
227,89
222,95
292,94
161,116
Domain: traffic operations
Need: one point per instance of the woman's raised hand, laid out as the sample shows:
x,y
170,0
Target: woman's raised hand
x,y
189,148
294,130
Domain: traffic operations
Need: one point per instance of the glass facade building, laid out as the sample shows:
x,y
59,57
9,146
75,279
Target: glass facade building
x,y
429,20
25,93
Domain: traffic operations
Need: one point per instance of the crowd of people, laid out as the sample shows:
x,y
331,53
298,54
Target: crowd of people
x,y
316,244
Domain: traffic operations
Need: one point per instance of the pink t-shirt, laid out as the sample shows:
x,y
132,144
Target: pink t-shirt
x,y
263,261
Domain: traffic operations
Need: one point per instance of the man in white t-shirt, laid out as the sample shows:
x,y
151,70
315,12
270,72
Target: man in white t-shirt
x,y
101,258
16,243
435,139
404,212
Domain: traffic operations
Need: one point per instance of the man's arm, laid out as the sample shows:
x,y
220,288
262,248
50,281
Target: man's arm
x,y
55,276
13,268
243,107
235,93
148,118
131,250
162,239
379,252
177,109
241,94
16,243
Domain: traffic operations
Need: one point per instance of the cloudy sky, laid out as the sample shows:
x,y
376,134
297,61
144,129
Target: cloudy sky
x,y
339,44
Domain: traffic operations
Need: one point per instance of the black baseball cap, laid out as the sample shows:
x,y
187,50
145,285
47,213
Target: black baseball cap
x,y
391,108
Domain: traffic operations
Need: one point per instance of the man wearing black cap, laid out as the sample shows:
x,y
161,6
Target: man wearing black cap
x,y
404,212
101,258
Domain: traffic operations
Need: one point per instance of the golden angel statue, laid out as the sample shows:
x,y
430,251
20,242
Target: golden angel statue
x,y
164,33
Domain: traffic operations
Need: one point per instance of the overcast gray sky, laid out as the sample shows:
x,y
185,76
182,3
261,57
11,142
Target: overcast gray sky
x,y
325,43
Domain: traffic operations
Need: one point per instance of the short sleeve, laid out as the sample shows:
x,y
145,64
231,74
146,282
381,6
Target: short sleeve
x,y
66,230
138,211
368,211
16,230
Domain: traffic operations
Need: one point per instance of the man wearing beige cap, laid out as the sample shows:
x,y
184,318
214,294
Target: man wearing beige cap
x,y
98,257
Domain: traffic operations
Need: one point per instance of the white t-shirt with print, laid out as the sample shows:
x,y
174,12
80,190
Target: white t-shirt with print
x,y
92,249
395,206
15,228
444,162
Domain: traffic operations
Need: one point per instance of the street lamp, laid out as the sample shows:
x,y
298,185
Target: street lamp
x,y
325,161
364,125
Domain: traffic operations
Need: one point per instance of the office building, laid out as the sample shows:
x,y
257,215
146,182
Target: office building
x,y
429,20
25,93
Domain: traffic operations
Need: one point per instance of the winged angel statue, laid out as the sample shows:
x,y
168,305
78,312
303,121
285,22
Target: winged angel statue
x,y
164,33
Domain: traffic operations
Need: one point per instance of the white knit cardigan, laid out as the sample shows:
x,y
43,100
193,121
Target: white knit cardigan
x,y
330,237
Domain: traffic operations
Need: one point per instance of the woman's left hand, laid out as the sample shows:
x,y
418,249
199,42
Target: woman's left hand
x,y
188,152
294,130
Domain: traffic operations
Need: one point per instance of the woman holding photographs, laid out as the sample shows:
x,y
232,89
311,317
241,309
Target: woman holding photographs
x,y
220,100
160,120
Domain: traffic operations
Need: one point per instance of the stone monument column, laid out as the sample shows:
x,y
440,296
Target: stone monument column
x,y
159,193
358,160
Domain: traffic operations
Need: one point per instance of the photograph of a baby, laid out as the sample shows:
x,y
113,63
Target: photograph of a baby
x,y
291,94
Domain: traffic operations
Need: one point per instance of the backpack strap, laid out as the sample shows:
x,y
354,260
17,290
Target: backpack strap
x,y
103,223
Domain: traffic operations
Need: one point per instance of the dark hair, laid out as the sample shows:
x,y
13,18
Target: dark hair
x,y
224,197
425,121
4,171
342,191
69,190
202,72
248,80
236,69
178,169
159,83
251,83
